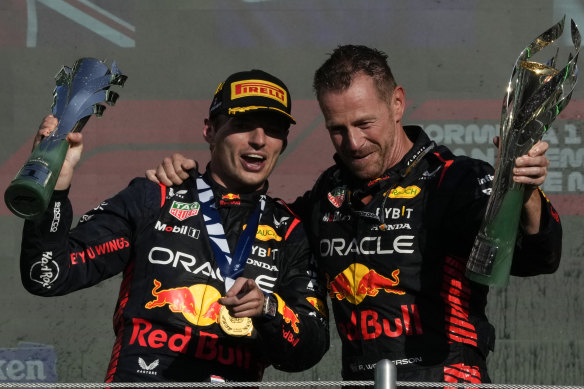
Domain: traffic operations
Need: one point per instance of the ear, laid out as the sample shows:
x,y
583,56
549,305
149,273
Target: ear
x,y
209,132
285,142
398,102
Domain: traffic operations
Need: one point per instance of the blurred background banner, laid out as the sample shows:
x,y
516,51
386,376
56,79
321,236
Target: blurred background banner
x,y
453,57
28,363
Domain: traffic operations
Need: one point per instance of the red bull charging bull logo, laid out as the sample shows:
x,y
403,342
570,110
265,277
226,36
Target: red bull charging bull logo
x,y
358,281
197,303
230,199
289,315
318,305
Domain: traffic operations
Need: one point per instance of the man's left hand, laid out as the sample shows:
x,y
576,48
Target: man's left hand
x,y
531,170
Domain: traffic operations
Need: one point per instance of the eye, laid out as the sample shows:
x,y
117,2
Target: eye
x,y
241,125
275,132
336,129
365,125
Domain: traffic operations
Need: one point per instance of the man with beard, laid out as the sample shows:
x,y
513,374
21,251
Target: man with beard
x,y
392,225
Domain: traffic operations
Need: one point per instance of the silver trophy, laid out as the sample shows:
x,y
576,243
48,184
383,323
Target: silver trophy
x,y
537,93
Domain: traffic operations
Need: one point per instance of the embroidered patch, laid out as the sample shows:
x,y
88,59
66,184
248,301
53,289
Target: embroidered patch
x,y
183,211
337,196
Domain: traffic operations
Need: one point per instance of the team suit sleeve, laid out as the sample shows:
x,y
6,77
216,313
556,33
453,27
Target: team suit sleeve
x,y
539,253
56,260
534,254
298,336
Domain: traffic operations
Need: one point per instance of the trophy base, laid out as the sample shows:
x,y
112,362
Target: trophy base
x,y
487,255
481,265
492,253
482,257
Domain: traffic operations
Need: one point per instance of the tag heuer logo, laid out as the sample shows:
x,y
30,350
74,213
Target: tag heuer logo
x,y
183,211
337,196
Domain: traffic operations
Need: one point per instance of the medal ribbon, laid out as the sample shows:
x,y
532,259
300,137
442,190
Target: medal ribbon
x,y
230,267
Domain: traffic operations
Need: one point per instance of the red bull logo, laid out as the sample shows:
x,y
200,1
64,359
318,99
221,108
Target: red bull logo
x,y
289,315
178,299
358,281
319,305
230,197
143,335
369,324
197,303
203,345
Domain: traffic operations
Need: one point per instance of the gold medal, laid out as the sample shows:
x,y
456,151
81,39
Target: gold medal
x,y
234,326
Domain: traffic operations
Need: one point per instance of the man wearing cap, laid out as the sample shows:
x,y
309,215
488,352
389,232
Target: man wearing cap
x,y
218,278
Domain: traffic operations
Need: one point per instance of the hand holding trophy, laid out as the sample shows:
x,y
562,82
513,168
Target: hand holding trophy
x,y
77,95
536,95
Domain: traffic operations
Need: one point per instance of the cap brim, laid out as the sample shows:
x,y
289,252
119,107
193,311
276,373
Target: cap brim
x,y
246,110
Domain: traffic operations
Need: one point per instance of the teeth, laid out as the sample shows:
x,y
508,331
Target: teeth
x,y
254,156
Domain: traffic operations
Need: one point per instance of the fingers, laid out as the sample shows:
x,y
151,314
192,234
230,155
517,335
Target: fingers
x,y
185,163
160,175
48,125
72,157
172,171
180,166
75,139
244,298
151,175
538,149
240,286
496,141
531,169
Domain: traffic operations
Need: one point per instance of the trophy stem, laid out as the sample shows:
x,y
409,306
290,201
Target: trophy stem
x,y
492,254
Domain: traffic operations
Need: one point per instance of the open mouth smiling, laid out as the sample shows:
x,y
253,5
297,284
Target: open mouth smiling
x,y
253,161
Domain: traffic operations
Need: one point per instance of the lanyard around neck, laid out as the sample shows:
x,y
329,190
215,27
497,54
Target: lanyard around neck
x,y
230,267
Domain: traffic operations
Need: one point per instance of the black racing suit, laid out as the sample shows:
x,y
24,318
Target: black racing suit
x,y
396,266
166,320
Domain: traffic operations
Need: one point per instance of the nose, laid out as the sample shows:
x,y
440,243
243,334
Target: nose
x,y
257,137
352,139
